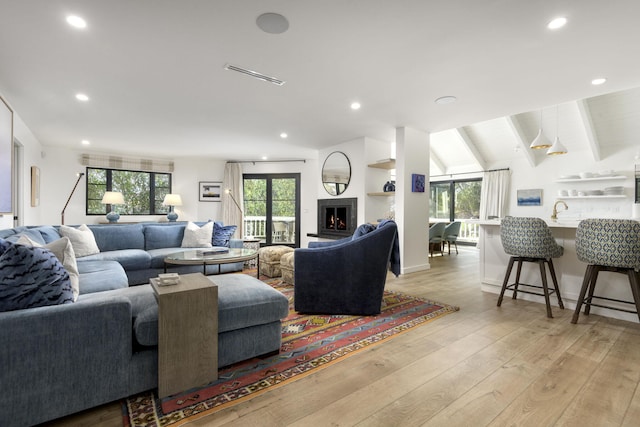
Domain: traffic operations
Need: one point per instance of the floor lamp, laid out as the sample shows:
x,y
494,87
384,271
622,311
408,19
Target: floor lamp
x,y
80,175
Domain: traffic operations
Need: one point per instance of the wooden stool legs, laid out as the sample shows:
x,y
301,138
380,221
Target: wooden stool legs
x,y
545,287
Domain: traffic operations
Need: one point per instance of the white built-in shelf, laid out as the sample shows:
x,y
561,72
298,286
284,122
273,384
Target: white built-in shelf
x,y
606,196
382,193
386,164
600,178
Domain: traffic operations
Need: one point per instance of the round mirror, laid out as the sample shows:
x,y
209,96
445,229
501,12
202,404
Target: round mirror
x,y
336,173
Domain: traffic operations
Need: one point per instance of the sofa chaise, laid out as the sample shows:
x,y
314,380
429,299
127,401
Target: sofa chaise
x,y
60,359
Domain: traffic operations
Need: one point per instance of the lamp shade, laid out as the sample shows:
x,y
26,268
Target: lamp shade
x,y
172,200
540,141
557,148
112,198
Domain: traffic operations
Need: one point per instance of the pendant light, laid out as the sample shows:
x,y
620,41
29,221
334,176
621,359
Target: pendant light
x,y
557,147
540,141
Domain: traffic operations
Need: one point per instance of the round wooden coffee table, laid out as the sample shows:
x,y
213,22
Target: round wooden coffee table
x,y
204,257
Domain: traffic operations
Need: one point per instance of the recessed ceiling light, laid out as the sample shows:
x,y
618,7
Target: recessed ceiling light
x,y
82,97
446,100
85,142
264,157
557,23
355,105
598,81
272,23
283,135
76,21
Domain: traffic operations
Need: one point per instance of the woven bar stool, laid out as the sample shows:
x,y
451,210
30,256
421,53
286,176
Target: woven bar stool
x,y
530,240
608,245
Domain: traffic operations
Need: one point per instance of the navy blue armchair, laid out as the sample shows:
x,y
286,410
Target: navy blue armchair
x,y
347,276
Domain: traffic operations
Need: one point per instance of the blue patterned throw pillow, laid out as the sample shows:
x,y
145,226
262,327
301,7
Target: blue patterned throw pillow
x,y
222,234
31,277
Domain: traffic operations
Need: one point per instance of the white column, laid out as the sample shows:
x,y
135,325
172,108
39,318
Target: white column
x,y
412,209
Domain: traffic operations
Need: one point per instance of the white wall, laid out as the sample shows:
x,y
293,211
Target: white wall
x,y
549,169
355,152
31,157
412,209
58,176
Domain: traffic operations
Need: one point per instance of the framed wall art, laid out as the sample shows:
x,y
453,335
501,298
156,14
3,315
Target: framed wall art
x,y
210,191
531,197
417,183
6,158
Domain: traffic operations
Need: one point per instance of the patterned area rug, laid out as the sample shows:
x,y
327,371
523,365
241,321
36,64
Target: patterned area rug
x,y
309,343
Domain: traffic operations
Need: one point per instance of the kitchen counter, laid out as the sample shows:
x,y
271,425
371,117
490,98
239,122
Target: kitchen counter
x,y
569,271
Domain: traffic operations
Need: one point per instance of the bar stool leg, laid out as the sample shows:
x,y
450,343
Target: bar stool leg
x,y
545,287
592,287
552,270
583,290
506,280
635,288
517,282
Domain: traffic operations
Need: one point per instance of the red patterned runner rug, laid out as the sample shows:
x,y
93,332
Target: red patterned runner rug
x,y
309,343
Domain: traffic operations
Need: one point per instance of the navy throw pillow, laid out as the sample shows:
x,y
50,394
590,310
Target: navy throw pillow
x,y
222,234
362,230
31,277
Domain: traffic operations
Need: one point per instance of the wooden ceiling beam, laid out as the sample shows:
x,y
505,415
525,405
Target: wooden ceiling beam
x,y
523,143
470,146
589,128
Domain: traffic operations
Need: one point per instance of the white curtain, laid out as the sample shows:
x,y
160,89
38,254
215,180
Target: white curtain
x,y
232,213
494,193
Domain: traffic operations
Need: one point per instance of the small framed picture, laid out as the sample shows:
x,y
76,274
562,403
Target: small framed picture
x,y
529,197
210,191
417,183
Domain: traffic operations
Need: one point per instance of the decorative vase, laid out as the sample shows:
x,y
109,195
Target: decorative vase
x,y
389,187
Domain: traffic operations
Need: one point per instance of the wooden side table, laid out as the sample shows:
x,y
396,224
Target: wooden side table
x,y
187,333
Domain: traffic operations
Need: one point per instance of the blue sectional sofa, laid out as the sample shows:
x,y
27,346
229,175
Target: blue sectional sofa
x,y
60,359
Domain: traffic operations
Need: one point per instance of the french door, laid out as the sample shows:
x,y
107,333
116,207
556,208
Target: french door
x,y
272,208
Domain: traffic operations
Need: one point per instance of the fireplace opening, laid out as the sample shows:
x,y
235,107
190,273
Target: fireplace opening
x,y
337,217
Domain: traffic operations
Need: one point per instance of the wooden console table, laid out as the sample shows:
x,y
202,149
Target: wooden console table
x,y
187,333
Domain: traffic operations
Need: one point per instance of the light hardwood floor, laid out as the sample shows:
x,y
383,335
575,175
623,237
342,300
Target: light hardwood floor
x,y
481,366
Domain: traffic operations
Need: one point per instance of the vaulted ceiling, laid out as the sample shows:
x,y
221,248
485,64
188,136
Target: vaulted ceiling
x,y
154,73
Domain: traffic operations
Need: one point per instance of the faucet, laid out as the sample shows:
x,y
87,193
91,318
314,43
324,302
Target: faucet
x,y
554,214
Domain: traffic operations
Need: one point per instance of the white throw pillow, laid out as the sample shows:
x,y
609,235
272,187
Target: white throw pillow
x,y
63,250
197,237
82,240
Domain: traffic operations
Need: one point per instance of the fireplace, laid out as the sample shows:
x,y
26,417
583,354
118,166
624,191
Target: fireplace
x,y
337,217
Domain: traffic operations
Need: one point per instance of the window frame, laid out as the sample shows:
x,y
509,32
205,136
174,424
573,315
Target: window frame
x,y
109,186
452,191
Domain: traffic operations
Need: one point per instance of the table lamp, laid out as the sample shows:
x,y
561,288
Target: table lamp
x,y
172,200
112,198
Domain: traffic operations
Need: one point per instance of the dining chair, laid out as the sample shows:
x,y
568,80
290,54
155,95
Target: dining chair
x,y
436,237
279,231
451,232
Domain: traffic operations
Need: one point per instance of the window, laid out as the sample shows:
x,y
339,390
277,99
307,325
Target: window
x,y
456,201
143,191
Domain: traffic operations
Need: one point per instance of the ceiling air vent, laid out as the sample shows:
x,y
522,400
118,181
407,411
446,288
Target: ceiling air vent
x,y
254,74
